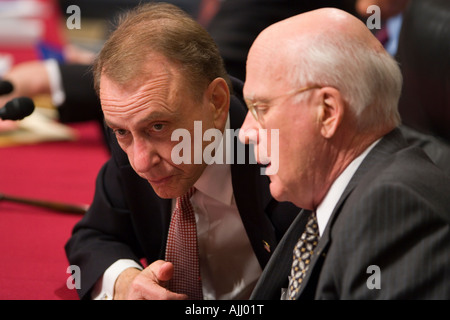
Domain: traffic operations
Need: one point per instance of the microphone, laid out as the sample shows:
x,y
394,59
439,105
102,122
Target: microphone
x,y
6,87
17,109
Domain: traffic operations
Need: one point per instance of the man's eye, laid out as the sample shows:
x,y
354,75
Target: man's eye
x,y
158,127
261,108
120,133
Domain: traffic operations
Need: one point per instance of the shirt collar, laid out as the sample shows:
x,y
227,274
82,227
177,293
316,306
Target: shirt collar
x,y
326,207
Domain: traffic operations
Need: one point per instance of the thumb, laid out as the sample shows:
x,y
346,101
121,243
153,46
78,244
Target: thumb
x,y
164,271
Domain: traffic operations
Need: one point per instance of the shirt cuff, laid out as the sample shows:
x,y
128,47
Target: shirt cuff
x,y
56,88
104,288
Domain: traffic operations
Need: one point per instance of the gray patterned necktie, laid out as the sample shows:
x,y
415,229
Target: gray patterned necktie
x,y
302,256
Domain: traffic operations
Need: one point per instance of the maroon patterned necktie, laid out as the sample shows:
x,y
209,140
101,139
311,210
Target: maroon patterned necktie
x,y
182,249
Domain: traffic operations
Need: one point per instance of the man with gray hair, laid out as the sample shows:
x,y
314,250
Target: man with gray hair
x,y
376,218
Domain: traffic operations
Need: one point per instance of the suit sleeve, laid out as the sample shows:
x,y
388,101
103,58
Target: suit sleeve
x,y
105,234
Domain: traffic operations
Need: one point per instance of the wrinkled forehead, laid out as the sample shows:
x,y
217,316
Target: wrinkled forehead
x,y
157,74
109,88
154,87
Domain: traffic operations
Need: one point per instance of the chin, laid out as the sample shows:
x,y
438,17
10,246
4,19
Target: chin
x,y
171,190
276,190
163,194
166,192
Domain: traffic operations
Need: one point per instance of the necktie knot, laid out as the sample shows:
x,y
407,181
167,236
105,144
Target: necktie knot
x,y
184,201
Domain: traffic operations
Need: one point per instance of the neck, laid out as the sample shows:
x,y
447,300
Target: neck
x,y
340,153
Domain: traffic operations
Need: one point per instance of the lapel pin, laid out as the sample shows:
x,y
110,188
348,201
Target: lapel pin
x,y
266,246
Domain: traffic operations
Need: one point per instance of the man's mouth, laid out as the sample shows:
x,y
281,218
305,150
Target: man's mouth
x,y
155,181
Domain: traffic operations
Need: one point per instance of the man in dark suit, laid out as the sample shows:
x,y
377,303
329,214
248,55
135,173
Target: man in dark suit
x,y
376,218
160,72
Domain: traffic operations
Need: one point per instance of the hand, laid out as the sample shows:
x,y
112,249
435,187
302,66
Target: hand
x,y
148,284
75,54
29,79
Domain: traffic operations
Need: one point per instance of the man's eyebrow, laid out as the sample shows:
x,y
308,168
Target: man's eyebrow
x,y
109,123
153,116
256,98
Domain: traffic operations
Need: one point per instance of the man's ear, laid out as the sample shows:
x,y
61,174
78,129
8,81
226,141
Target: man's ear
x,y
331,111
219,100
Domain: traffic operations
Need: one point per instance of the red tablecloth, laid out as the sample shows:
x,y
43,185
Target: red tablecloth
x,y
33,264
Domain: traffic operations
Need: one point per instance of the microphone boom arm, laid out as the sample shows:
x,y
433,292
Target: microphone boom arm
x,y
56,206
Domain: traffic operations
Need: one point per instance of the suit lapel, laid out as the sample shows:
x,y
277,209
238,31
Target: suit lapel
x,y
275,275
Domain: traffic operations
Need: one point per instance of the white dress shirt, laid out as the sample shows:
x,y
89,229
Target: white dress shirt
x,y
329,202
228,266
55,79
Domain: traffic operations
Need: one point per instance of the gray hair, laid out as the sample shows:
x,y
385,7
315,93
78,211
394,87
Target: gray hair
x,y
370,81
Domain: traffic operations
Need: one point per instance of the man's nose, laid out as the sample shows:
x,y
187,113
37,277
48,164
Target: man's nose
x,y
249,130
145,156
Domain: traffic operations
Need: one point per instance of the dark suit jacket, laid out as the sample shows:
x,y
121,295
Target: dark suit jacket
x,y
435,147
127,220
82,102
394,214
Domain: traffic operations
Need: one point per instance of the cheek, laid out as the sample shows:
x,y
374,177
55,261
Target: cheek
x,y
183,157
293,148
287,163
